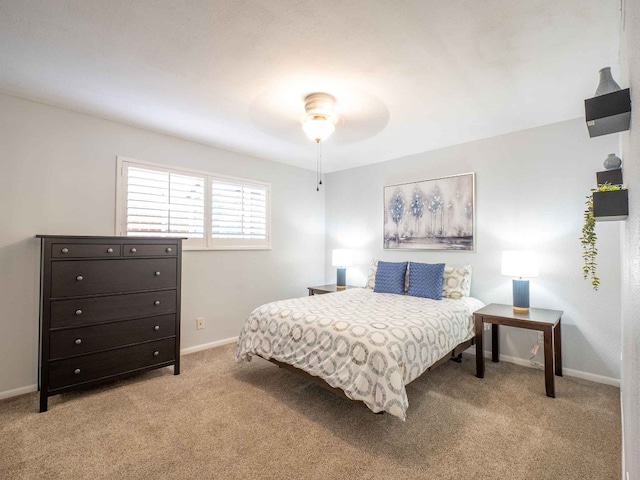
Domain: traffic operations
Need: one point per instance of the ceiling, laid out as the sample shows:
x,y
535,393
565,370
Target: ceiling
x,y
408,75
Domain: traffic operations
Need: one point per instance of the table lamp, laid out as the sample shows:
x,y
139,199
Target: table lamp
x,y
342,258
520,264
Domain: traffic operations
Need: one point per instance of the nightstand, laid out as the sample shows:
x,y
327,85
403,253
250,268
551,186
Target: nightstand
x,y
540,319
326,289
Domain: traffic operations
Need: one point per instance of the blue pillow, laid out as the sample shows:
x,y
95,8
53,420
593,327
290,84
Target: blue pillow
x,y
425,280
390,277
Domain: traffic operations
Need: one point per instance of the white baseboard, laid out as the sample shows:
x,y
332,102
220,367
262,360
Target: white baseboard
x,y
565,371
591,376
207,346
18,391
624,463
183,351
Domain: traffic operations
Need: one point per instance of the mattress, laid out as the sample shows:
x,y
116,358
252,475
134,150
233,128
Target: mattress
x,y
370,345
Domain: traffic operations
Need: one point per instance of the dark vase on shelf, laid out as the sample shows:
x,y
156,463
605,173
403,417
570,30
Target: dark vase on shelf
x,y
609,111
612,162
607,83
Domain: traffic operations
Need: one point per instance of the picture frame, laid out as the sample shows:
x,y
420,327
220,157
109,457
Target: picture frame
x,y
435,214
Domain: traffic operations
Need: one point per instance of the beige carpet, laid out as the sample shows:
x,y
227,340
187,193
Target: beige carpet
x,y
222,420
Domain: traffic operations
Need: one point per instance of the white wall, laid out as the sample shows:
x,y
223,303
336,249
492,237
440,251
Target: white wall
x,y
530,192
57,176
630,379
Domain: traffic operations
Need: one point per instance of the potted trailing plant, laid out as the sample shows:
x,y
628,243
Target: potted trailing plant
x,y
588,239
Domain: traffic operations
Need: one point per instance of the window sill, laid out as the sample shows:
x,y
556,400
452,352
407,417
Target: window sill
x,y
196,248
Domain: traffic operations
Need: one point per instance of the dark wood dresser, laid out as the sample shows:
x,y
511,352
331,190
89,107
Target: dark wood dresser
x,y
109,307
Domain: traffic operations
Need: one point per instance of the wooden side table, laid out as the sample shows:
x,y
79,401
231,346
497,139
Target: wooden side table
x,y
540,319
326,289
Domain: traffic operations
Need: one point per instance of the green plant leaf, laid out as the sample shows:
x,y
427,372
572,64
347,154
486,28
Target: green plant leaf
x,y
588,239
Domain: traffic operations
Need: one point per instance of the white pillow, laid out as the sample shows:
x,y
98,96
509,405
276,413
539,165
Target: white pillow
x,y
371,277
456,281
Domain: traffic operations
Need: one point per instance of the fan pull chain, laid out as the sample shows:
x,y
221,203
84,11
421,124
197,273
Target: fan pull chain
x,y
319,166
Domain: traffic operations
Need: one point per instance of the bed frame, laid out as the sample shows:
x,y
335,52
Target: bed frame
x,y
455,355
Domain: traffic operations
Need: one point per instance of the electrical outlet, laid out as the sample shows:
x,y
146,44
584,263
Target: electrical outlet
x,y
540,338
200,323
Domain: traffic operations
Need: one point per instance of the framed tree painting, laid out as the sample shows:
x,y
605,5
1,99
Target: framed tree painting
x,y
435,214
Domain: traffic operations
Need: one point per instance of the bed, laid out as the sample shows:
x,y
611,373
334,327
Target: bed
x,y
365,344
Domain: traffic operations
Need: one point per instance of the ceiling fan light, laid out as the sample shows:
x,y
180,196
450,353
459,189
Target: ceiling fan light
x,y
318,127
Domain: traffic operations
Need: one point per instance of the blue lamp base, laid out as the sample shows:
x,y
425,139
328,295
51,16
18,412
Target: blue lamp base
x,y
521,295
342,278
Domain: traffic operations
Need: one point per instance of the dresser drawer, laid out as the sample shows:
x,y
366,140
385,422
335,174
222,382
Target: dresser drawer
x,y
85,311
79,250
86,277
72,371
77,341
168,250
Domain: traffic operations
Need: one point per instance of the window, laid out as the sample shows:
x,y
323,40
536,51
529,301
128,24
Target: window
x,y
210,211
238,212
164,203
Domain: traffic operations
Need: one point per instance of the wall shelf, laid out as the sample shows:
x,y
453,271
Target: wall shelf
x,y
614,177
612,205
608,113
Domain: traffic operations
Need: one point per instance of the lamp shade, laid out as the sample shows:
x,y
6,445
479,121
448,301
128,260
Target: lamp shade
x,y
519,264
341,258
318,127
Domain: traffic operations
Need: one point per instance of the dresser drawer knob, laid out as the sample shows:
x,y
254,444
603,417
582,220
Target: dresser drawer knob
x,y
109,250
77,371
156,328
134,250
157,274
169,249
156,353
78,312
157,302
78,341
79,278
65,250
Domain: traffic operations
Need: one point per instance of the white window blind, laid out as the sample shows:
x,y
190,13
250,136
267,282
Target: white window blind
x,y
210,211
164,203
238,211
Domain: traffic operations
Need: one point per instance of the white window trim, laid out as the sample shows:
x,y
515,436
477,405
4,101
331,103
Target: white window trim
x,y
121,192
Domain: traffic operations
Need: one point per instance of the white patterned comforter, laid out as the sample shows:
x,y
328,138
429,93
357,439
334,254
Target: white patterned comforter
x,y
368,344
